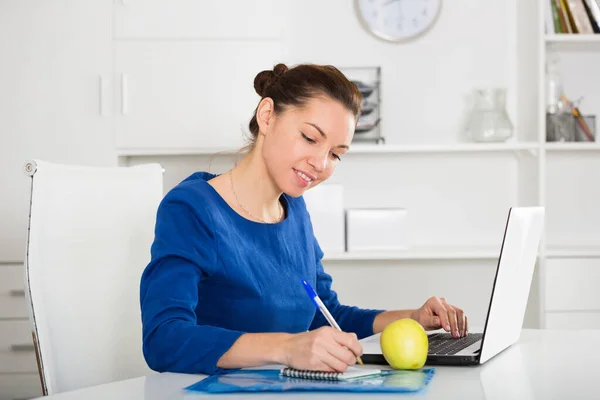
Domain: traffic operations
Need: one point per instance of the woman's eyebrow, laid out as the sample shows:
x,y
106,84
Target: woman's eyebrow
x,y
343,146
317,128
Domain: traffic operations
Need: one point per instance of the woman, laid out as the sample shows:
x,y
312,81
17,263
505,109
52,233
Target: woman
x,y
224,286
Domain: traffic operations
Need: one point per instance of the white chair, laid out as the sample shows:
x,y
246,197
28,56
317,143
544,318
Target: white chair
x,y
90,233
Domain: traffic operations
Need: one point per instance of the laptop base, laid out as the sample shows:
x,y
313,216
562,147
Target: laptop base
x,y
378,359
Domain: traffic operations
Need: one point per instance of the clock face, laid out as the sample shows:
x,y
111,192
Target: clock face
x,y
397,20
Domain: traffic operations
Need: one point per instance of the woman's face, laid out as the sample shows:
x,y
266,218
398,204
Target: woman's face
x,y
302,146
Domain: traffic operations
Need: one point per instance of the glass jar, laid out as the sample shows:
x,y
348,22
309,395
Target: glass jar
x,y
489,120
554,87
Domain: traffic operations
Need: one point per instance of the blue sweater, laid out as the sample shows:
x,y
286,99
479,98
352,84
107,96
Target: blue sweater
x,y
215,275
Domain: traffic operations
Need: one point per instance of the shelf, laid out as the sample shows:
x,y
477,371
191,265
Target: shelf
x,y
358,148
443,148
572,38
456,253
573,252
572,42
383,149
165,151
439,253
572,146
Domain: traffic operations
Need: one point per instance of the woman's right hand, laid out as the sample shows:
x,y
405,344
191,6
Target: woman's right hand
x,y
322,350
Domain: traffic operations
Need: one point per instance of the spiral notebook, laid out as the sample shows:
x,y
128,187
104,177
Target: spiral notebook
x,y
350,373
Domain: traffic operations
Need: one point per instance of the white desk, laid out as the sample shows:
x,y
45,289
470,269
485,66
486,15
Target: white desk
x,y
542,365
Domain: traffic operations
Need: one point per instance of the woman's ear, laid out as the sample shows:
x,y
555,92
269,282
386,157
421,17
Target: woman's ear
x,y
265,114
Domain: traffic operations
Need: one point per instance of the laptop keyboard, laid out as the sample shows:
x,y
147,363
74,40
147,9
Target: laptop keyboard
x,y
445,344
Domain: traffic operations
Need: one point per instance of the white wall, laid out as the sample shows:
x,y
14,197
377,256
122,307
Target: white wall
x,y
426,82
48,103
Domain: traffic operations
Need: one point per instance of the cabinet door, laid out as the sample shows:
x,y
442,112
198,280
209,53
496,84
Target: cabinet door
x,y
183,94
573,320
572,284
12,292
246,19
20,386
55,62
17,353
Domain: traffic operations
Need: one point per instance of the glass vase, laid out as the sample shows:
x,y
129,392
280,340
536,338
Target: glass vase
x,y
489,121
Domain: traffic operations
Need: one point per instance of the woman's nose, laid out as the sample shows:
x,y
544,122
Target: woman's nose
x,y
319,162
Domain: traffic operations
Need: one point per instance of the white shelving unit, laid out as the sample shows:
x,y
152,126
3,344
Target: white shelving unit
x,y
565,168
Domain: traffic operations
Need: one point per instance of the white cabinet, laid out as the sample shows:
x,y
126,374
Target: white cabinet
x,y
19,377
185,69
247,19
570,190
573,198
12,293
20,386
17,354
185,94
572,321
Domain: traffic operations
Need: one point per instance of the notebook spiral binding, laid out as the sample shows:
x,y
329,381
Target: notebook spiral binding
x,y
308,374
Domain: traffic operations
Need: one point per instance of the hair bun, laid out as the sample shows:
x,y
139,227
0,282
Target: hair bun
x,y
266,78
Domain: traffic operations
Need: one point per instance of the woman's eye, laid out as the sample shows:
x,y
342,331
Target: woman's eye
x,y
309,140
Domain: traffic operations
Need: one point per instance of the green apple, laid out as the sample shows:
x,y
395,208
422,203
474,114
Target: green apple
x,y
404,344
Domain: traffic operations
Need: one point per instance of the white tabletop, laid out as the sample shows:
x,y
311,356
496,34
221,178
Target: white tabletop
x,y
542,365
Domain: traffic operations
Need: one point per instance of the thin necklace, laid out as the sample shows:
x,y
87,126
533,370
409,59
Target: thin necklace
x,y
248,212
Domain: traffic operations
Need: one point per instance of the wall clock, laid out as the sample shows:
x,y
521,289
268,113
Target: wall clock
x,y
397,20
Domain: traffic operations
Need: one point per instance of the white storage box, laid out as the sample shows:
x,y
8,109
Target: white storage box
x,y
325,203
383,229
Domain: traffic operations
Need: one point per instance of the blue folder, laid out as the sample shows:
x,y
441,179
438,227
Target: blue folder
x,y
269,380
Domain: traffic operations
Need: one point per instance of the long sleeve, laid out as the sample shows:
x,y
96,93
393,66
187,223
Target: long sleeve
x,y
183,254
349,318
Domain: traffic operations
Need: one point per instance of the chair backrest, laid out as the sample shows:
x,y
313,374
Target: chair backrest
x,y
90,233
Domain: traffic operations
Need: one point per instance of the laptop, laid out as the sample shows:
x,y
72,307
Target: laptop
x,y
508,301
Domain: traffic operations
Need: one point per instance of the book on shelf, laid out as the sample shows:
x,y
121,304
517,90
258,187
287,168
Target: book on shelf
x,y
592,7
572,16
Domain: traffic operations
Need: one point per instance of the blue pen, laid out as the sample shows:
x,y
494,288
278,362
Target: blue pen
x,y
321,306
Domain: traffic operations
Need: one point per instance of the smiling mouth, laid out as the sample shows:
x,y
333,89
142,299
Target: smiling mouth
x,y
302,175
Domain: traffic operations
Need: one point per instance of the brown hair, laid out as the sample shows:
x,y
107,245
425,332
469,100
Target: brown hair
x,y
293,87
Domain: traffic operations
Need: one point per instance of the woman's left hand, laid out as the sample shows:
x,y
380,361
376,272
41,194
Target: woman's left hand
x,y
436,313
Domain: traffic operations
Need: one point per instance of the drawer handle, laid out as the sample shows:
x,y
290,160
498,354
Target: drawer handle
x,y
22,347
17,293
